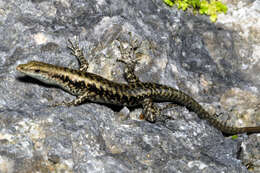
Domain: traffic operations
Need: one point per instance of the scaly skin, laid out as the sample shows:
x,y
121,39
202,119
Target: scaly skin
x,y
91,87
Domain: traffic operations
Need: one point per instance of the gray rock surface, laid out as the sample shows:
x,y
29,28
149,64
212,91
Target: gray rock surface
x,y
214,63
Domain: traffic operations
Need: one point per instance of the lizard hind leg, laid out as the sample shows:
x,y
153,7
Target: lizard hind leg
x,y
166,109
78,53
152,113
168,106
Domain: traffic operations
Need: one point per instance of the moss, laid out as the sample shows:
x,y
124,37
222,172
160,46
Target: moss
x,y
206,7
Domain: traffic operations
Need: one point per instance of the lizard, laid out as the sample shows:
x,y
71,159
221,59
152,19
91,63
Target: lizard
x,y
88,86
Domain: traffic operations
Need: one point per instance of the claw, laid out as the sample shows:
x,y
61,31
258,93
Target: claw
x,y
164,118
62,104
74,47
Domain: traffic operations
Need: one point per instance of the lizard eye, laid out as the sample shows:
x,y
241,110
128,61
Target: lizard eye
x,y
36,71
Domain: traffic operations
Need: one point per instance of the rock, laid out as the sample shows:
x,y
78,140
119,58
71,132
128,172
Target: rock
x,y
214,63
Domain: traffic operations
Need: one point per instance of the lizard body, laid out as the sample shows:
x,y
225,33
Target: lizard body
x,y
91,87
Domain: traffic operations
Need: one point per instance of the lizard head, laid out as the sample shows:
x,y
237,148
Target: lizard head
x,y
52,74
39,70
33,68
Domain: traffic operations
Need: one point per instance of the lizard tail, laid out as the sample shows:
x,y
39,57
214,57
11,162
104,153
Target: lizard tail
x,y
183,99
227,129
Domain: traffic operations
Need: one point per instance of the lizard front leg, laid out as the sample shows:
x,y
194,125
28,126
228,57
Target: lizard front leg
x,y
78,53
80,99
130,60
129,74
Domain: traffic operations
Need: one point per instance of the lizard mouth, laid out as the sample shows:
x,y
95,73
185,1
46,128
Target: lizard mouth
x,y
20,67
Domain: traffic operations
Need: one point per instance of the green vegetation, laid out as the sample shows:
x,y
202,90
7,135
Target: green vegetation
x,y
207,7
234,137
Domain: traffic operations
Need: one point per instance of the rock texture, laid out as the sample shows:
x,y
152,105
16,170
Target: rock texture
x,y
217,64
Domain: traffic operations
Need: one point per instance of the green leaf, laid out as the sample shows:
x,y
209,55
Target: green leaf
x,y
183,4
213,17
234,137
168,2
204,6
195,3
208,7
221,7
